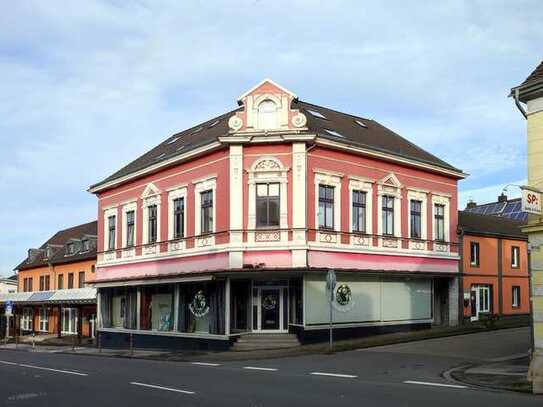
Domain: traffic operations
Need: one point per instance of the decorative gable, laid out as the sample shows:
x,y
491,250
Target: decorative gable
x,y
389,184
150,190
267,109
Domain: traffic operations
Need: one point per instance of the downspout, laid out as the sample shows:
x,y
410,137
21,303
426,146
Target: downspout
x,y
517,103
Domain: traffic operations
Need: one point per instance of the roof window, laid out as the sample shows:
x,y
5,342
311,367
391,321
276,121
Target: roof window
x,y
173,140
158,157
214,123
361,123
316,114
334,133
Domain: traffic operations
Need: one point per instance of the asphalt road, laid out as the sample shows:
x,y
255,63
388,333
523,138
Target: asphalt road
x,y
397,375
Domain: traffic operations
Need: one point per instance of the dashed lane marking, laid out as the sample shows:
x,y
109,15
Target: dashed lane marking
x,y
454,386
345,376
52,370
205,364
154,386
266,369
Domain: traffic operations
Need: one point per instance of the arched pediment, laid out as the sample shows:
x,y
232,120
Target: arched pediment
x,y
267,163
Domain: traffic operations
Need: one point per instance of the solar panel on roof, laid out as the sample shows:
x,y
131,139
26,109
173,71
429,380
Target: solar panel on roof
x,y
316,114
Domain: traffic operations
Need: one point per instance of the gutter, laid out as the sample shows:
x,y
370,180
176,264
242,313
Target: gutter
x,y
515,94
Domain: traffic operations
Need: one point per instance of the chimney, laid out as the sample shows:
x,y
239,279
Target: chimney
x,y
471,204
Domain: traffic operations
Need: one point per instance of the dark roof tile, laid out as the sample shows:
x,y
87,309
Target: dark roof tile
x,y
488,225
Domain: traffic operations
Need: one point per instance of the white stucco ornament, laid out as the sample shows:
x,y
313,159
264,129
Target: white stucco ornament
x,y
235,123
299,120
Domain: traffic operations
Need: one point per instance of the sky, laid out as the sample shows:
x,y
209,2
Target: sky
x,y
86,87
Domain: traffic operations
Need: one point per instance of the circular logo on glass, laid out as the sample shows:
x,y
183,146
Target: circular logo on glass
x,y
198,305
343,295
269,302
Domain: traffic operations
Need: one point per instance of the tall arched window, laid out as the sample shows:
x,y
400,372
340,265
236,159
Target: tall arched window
x,y
267,115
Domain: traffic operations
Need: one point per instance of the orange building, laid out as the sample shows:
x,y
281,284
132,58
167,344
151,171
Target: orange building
x,y
494,267
54,296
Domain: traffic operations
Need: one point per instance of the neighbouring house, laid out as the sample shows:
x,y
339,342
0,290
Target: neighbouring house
x,y
8,285
54,295
503,207
231,226
495,276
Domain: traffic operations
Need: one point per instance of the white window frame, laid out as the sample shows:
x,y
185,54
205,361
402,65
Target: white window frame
x,y
421,196
44,319
127,207
267,170
27,319
445,200
332,179
477,258
515,296
202,185
177,192
515,256
72,328
108,212
391,186
362,185
151,196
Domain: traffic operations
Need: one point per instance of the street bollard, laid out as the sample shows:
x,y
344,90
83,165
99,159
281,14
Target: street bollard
x,y
131,345
33,340
73,343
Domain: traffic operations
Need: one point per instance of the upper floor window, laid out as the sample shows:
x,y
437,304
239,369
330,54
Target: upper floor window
x,y
474,254
70,280
515,296
326,207
206,211
81,279
388,215
178,217
130,230
152,222
70,248
267,115
111,232
359,212
416,219
27,284
60,284
439,222
267,205
515,256
42,283
85,245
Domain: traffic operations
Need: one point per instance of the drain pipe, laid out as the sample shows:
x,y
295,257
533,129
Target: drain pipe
x,y
517,103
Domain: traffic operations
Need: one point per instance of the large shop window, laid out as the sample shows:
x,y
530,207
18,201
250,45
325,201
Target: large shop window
x,y
157,307
178,217
202,308
326,207
118,307
206,211
152,224
267,205
388,215
359,211
130,231
439,221
111,232
415,215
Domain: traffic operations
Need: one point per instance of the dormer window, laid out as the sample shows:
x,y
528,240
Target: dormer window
x,y
70,249
49,252
85,245
267,115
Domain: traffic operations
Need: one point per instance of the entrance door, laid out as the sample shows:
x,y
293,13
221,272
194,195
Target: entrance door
x,y
481,295
270,309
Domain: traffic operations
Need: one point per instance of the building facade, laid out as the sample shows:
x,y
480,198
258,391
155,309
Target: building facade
x,y
495,277
8,285
54,294
230,227
528,97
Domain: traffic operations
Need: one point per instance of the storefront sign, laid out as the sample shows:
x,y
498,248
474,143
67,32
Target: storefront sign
x,y
531,201
344,298
198,306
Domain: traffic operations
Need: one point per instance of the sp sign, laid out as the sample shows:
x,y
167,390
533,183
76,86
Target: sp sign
x,y
531,201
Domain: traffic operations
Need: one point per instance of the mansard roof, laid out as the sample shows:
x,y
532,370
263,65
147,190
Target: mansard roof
x,y
326,123
58,242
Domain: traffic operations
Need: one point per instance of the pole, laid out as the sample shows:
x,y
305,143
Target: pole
x,y
331,347
7,328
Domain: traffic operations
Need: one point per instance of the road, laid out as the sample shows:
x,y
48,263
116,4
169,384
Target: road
x,y
396,375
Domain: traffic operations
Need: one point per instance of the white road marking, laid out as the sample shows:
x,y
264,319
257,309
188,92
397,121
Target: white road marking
x,y
5,362
52,370
152,386
347,376
267,369
205,364
454,386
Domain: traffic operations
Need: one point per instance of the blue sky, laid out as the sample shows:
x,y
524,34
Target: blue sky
x,y
89,86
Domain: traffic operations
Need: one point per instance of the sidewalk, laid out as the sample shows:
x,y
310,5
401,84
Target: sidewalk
x,y
510,374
